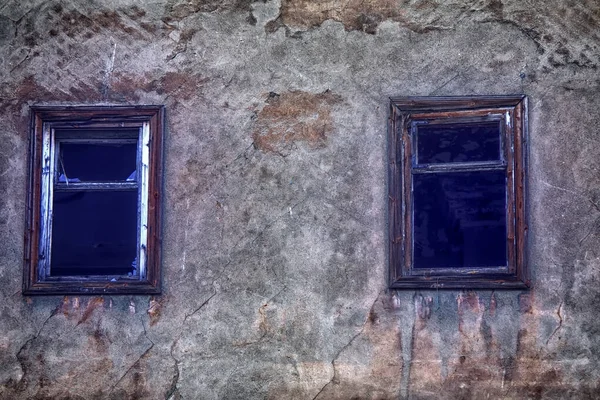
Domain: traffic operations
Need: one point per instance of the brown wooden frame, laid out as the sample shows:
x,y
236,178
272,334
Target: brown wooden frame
x,y
403,112
35,281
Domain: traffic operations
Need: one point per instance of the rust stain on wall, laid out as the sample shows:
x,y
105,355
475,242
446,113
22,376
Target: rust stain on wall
x,y
382,331
484,365
92,305
294,117
154,310
99,341
71,308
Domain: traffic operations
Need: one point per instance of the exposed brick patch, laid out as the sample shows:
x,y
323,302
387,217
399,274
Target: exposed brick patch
x,y
75,24
80,25
362,15
29,90
294,117
124,87
180,85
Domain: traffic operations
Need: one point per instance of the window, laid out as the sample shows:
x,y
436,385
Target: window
x,y
93,223
457,192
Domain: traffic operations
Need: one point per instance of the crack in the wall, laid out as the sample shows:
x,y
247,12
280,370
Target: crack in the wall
x,y
595,205
140,358
592,229
22,61
27,343
256,237
185,233
334,379
443,85
34,8
182,44
582,195
263,325
528,32
570,191
539,36
199,307
245,155
173,392
560,322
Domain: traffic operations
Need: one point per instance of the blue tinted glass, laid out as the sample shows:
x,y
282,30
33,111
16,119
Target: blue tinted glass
x,y
450,143
459,219
94,233
88,162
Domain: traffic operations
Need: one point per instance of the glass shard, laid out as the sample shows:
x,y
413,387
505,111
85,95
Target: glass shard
x,y
94,233
452,143
459,219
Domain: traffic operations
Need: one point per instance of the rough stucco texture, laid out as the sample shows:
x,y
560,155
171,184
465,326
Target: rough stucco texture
x,y
275,265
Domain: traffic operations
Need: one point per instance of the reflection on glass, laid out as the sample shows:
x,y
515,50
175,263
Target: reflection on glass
x,y
85,162
459,219
450,143
94,233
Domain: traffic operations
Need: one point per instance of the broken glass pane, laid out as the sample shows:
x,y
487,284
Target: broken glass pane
x,y
88,162
450,143
94,233
459,219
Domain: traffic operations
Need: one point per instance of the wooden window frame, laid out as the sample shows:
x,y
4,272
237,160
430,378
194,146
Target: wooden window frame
x,y
37,279
404,112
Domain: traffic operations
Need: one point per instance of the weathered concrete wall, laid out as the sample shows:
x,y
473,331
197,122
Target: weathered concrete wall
x,y
275,206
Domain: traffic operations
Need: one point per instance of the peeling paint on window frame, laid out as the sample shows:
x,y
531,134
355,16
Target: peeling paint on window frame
x,y
149,120
404,112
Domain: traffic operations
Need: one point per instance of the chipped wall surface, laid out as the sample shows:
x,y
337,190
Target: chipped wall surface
x,y
274,240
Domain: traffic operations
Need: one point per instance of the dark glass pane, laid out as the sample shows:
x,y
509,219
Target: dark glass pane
x,y
85,162
94,233
448,143
459,219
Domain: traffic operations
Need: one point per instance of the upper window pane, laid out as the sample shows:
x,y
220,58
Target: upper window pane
x,y
88,162
458,142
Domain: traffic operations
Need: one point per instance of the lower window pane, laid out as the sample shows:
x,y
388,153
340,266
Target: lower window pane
x,y
459,219
94,233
